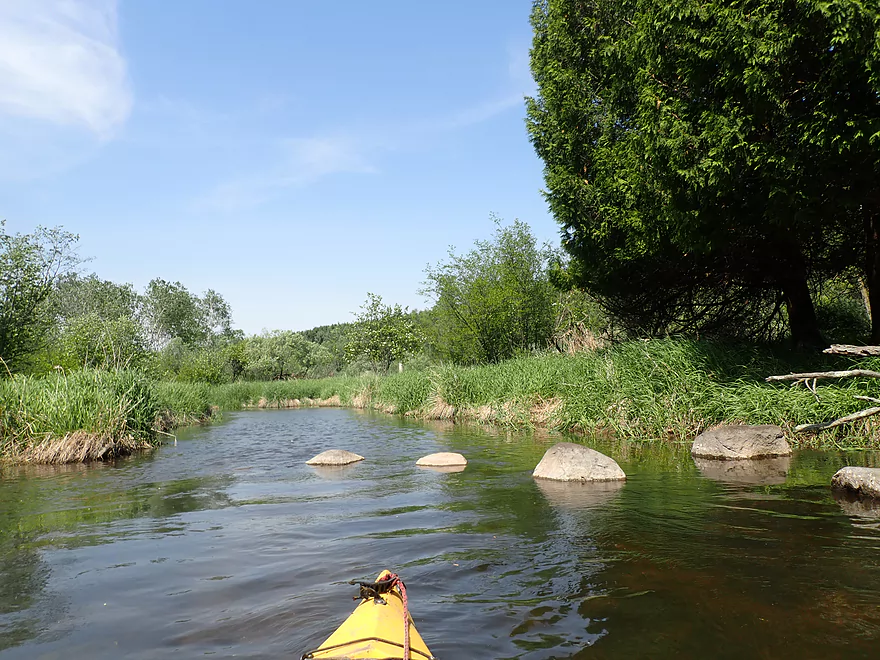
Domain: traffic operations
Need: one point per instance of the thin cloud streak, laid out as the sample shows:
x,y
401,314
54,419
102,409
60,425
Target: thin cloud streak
x,y
303,161
311,159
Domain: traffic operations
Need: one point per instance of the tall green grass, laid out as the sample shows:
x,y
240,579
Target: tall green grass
x,y
659,389
112,405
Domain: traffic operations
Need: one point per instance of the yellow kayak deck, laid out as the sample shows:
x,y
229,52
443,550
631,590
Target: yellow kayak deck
x,y
374,630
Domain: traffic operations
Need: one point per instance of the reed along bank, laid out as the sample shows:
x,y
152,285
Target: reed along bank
x,y
668,389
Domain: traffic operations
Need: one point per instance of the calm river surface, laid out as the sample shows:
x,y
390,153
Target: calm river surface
x,y
228,545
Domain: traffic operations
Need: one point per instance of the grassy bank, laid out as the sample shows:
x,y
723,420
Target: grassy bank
x,y
657,389
662,389
79,416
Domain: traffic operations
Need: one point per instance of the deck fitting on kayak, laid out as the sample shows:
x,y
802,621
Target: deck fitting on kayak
x,y
376,632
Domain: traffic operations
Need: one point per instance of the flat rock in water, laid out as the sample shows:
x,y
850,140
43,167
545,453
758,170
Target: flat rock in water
x,y
567,461
861,481
741,442
442,459
335,457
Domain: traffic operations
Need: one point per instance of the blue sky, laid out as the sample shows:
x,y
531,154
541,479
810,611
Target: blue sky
x,y
291,155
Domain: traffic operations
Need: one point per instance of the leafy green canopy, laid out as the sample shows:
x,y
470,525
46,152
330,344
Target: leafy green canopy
x,y
30,267
494,301
706,159
282,354
383,334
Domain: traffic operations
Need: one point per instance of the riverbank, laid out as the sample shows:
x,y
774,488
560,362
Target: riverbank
x,y
642,390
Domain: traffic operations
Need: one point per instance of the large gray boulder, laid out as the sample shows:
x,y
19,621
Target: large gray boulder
x,y
741,442
567,461
335,457
442,459
861,481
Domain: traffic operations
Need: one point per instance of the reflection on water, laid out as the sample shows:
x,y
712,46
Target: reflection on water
x,y
335,472
443,469
579,495
228,544
756,472
853,505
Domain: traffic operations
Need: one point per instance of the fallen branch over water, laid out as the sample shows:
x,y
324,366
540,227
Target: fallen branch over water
x,y
813,376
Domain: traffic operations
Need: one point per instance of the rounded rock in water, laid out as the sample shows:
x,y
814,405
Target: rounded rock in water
x,y
335,457
860,481
442,459
567,461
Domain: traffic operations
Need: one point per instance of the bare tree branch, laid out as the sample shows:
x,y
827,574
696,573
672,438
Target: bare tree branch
x,y
837,422
826,374
848,349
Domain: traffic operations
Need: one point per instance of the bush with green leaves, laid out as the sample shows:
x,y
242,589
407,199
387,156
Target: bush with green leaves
x,y
91,342
31,265
282,354
383,334
495,301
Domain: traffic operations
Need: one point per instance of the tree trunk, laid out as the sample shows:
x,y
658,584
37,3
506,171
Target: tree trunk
x,y
872,272
801,314
792,280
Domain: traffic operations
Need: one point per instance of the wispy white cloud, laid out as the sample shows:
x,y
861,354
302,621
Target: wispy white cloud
x,y
301,161
470,116
304,161
60,62
64,89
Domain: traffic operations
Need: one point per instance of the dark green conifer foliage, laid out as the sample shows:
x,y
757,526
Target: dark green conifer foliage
x,y
708,160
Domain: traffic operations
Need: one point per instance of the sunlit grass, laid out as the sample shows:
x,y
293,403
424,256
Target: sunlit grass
x,y
83,415
659,389
642,390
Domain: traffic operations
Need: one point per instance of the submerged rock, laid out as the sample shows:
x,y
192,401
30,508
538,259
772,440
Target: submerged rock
x,y
442,459
741,442
335,457
756,472
861,481
567,461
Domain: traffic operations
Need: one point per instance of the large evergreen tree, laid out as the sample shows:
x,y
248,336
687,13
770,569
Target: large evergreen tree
x,y
706,159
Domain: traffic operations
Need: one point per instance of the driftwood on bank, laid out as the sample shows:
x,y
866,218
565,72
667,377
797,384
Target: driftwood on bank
x,y
856,351
812,375
805,378
837,422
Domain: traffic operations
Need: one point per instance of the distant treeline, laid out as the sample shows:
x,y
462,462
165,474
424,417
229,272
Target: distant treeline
x,y
507,297
492,303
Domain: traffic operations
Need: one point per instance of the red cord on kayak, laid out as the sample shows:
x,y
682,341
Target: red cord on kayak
x,y
395,579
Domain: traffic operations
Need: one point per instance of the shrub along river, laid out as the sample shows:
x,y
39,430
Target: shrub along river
x,y
227,544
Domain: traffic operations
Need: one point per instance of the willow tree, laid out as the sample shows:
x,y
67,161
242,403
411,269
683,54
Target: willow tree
x,y
706,159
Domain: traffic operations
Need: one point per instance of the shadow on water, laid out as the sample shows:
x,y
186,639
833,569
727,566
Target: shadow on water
x,y
228,544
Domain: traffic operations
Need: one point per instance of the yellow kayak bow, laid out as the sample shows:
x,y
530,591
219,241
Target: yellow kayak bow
x,y
376,628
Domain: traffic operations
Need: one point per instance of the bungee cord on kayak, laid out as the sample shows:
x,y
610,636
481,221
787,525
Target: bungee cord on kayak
x,y
373,629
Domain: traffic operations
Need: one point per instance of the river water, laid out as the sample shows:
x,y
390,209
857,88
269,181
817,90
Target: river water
x,y
227,545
